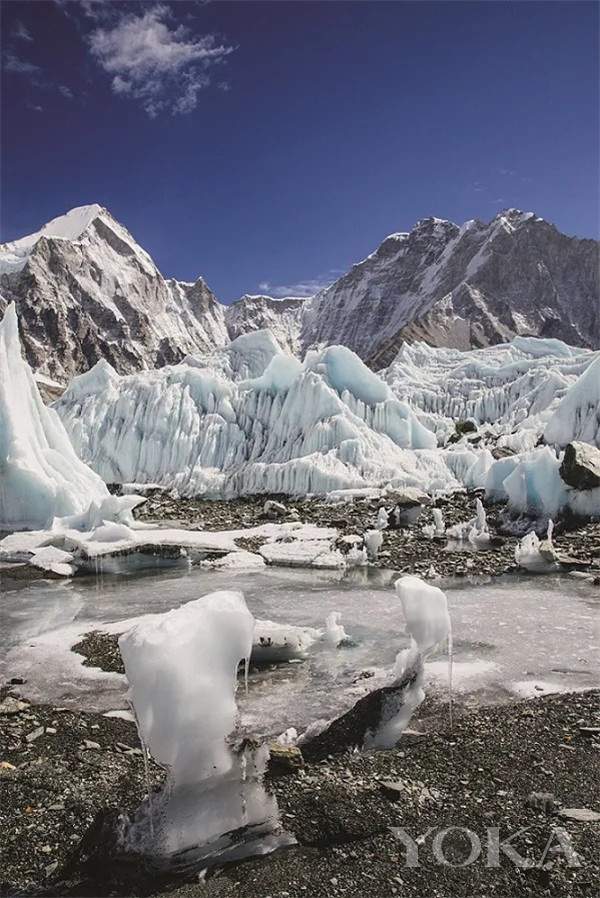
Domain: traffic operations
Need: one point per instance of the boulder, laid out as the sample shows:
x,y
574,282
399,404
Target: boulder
x,y
580,466
350,730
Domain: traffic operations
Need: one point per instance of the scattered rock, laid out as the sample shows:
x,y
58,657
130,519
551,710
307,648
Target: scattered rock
x,y
12,705
393,789
273,509
581,815
35,734
580,466
284,759
544,802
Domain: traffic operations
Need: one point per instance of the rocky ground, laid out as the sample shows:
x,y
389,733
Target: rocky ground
x,y
406,550
59,769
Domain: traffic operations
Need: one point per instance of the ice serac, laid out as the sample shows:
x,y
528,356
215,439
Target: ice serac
x,y
577,416
85,290
182,670
327,423
41,477
280,316
515,389
476,285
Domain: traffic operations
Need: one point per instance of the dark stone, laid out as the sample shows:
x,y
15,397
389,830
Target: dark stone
x,y
580,466
350,730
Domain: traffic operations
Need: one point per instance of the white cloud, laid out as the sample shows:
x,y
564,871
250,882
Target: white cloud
x,y
65,91
12,63
303,288
21,32
162,65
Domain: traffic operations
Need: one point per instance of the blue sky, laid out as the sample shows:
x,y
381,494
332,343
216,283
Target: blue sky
x,y
269,146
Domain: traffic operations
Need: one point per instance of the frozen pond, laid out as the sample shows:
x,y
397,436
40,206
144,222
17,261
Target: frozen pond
x,y
515,636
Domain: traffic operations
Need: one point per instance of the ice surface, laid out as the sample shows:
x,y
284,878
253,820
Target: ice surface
x,y
326,424
520,383
529,557
54,560
335,633
543,628
373,543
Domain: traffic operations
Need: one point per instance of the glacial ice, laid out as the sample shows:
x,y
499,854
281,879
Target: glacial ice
x,y
428,624
296,428
42,477
529,557
214,806
335,634
184,700
577,415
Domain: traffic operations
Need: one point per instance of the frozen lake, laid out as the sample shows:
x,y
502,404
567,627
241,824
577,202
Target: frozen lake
x,y
519,636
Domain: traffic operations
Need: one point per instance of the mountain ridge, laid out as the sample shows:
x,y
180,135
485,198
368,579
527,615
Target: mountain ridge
x,y
85,289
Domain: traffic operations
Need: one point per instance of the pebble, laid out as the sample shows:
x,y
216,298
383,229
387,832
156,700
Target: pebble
x,y
12,705
34,734
581,815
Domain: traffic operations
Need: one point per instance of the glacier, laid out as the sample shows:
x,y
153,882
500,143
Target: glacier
x,y
253,418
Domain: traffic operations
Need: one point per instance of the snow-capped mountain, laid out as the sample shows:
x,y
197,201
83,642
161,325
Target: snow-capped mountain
x,y
462,287
84,291
281,316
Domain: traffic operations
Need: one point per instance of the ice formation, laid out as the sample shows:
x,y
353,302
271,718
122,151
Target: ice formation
x,y
475,530
438,521
182,671
334,634
535,558
373,543
428,624
42,477
328,423
577,415
274,643
512,385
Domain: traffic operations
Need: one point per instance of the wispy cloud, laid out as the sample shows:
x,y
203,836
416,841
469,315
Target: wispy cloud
x,y
14,63
151,59
65,91
21,32
303,288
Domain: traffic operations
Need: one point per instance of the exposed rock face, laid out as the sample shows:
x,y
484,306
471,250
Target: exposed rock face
x,y
462,287
281,316
85,290
580,466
